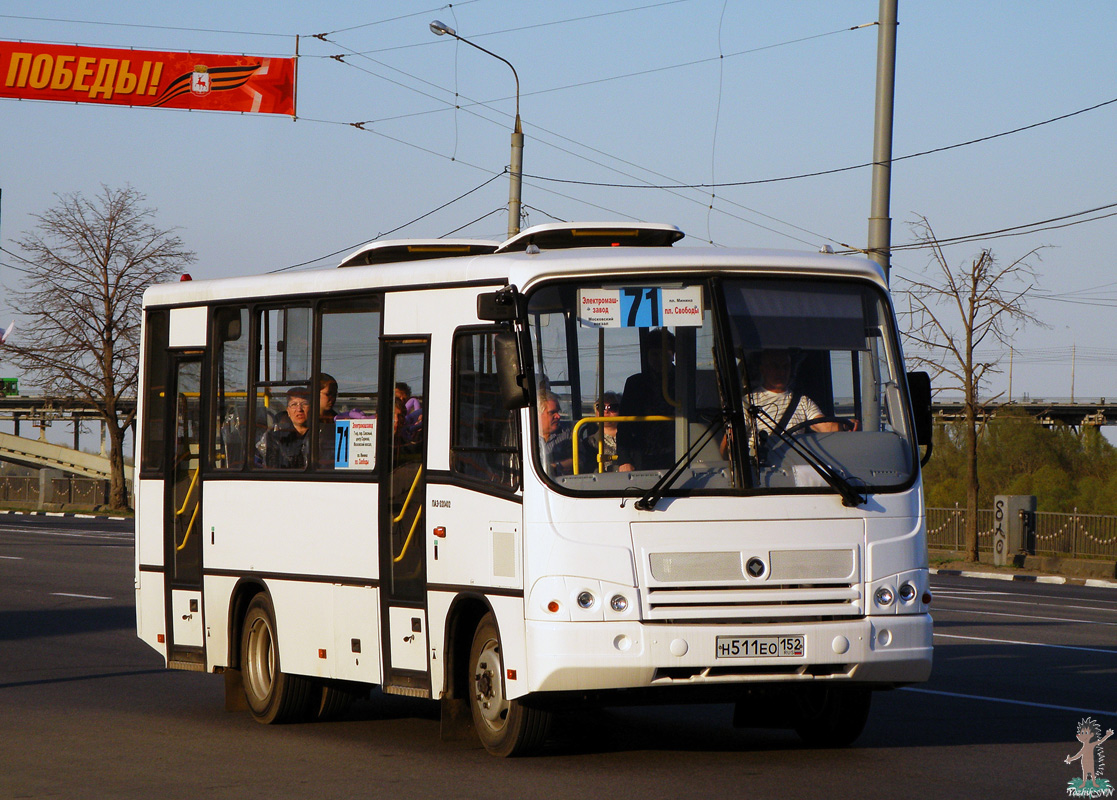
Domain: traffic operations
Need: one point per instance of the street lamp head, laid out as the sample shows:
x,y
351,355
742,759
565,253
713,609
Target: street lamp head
x,y
439,28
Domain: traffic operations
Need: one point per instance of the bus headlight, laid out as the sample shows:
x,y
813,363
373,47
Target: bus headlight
x,y
907,592
618,603
884,596
586,600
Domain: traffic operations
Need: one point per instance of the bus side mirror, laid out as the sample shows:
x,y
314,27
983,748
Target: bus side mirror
x,y
919,386
505,305
513,382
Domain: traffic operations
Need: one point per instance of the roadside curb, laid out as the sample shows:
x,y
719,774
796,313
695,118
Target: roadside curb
x,y
1095,583
57,514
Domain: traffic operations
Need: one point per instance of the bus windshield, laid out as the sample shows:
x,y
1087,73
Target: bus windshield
x,y
719,385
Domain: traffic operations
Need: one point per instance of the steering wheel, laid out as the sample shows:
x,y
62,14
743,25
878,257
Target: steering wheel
x,y
844,424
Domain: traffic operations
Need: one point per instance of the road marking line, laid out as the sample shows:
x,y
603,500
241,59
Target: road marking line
x,y
81,596
1005,700
1024,616
1103,605
12,558
1029,644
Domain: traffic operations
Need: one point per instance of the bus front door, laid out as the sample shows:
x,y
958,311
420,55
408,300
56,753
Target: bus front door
x,y
183,515
402,517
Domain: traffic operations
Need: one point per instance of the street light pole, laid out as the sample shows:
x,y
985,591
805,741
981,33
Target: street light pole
x,y
880,222
516,167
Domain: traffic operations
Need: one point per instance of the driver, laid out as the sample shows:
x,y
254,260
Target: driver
x,y
779,406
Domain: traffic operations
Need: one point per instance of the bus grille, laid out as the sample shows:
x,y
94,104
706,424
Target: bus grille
x,y
753,603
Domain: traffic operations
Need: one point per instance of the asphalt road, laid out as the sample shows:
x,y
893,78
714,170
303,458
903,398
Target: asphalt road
x,y
86,710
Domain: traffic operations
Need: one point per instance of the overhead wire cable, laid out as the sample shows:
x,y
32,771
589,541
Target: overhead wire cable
x,y
393,230
836,170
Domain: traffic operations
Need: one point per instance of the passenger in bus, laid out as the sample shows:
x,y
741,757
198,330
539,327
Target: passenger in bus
x,y
327,397
413,409
650,392
609,405
556,449
779,406
285,445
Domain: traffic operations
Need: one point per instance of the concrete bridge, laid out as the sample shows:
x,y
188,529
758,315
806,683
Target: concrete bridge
x,y
40,454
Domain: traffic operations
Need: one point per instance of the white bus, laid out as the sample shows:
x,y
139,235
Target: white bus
x,y
579,466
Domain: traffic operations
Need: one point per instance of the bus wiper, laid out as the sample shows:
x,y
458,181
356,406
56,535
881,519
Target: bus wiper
x,y
850,496
655,494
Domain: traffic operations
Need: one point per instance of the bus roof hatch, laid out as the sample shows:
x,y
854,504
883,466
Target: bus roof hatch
x,y
394,250
566,235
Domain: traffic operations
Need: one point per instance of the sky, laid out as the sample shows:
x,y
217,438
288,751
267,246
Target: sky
x,y
616,95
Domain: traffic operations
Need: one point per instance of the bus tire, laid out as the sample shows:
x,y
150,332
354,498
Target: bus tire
x,y
831,716
331,699
273,696
505,727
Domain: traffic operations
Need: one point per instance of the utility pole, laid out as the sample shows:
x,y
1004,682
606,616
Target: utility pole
x,y
880,223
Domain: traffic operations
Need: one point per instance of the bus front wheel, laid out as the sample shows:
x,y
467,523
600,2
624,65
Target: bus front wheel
x,y
831,716
505,727
272,695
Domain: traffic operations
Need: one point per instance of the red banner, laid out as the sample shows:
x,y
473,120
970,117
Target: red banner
x,y
73,74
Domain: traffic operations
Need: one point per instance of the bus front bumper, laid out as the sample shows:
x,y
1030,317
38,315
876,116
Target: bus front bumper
x,y
884,651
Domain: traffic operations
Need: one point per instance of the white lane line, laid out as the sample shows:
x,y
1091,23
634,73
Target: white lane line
x,y
978,593
1029,644
1019,616
78,533
80,596
1103,607
12,558
1028,703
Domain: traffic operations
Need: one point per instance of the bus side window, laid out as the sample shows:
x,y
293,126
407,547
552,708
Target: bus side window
x,y
485,437
230,408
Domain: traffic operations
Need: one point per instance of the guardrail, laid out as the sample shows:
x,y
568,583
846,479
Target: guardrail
x,y
1073,535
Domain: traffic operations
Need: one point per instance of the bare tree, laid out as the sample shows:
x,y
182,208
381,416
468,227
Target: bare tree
x,y
950,314
88,261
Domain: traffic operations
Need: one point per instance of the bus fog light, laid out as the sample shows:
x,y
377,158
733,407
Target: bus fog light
x,y
622,643
618,603
884,638
907,592
884,596
586,600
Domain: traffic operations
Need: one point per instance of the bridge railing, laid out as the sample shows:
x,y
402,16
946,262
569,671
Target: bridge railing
x,y
1073,535
63,491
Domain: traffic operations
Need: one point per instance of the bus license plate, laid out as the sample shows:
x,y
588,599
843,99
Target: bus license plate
x,y
759,646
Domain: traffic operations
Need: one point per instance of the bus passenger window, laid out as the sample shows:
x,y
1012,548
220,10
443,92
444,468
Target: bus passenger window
x,y
485,437
230,408
346,391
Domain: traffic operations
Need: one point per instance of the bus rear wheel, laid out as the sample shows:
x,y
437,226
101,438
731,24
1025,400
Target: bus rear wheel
x,y
272,695
831,716
505,727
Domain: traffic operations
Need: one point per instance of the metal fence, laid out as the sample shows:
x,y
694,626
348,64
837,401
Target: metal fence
x,y
1071,535
75,491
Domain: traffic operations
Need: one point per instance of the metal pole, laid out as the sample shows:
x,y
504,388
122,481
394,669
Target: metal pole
x,y
515,175
880,223
516,167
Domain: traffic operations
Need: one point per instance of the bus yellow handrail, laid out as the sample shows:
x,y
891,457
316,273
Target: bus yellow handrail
x,y
407,500
189,492
189,528
410,535
601,445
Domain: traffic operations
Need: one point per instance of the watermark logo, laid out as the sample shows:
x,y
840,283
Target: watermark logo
x,y
1092,758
